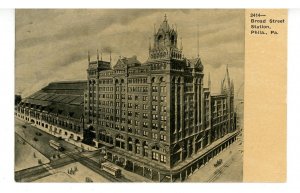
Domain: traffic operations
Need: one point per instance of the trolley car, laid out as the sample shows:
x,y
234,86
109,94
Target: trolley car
x,y
56,145
113,170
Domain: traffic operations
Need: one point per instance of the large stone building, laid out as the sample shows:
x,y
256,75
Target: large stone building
x,y
154,118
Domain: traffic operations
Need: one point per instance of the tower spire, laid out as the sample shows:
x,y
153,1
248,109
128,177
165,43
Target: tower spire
x,y
97,54
110,57
89,58
209,82
227,74
149,43
181,47
101,55
166,17
198,40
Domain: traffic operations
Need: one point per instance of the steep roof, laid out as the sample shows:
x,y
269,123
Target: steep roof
x,y
127,62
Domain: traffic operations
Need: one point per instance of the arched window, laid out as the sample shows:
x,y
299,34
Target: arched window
x,y
137,146
173,39
129,144
160,40
120,142
145,146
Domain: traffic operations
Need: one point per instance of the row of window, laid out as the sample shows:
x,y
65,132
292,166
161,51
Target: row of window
x,y
137,131
129,105
138,89
131,123
106,88
158,66
130,89
136,71
159,157
137,80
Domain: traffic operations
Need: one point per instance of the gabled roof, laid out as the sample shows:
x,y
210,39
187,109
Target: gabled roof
x,y
127,62
195,63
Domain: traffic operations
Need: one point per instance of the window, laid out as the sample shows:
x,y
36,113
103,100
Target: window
x,y
163,158
145,98
145,133
137,150
154,89
154,98
154,135
163,98
137,114
129,105
154,126
163,137
136,98
129,97
145,107
155,156
154,107
136,106
129,129
145,124
122,128
145,115
163,109
155,117
137,123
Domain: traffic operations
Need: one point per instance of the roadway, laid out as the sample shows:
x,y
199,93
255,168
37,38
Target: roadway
x,y
70,155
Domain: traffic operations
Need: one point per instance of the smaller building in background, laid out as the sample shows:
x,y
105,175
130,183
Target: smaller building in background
x,y
56,109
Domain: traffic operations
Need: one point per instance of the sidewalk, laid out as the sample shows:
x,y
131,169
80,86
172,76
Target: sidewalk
x,y
208,171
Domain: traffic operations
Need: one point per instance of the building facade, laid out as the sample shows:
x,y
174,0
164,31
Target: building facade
x,y
154,116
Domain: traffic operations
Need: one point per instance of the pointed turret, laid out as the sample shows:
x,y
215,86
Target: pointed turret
x,y
110,57
181,47
149,43
209,82
232,86
227,75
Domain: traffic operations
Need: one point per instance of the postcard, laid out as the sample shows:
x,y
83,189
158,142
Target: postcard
x,y
150,95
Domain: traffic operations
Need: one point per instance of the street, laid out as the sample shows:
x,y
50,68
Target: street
x,y
231,169
71,155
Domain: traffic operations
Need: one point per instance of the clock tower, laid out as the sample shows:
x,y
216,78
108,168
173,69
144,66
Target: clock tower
x,y
165,43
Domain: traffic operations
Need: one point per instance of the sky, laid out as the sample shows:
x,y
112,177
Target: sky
x,y
52,44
